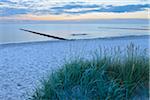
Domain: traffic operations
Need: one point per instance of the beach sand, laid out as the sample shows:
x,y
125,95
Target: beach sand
x,y
23,65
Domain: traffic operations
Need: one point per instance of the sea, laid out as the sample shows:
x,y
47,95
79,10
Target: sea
x,y
10,31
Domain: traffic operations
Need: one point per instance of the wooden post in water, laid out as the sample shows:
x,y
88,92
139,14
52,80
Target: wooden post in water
x,y
55,37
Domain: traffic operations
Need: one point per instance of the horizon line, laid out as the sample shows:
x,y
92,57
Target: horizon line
x,y
90,19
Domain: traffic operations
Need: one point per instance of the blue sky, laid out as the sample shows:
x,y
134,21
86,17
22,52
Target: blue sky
x,y
69,9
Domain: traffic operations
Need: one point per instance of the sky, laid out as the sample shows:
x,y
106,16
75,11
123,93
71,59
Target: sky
x,y
73,9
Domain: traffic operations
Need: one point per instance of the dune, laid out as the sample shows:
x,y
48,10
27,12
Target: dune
x,y
23,65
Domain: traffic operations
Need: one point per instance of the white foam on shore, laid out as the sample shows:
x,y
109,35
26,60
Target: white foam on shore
x,y
23,65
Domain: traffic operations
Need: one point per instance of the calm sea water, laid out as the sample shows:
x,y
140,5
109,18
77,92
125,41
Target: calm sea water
x,y
11,33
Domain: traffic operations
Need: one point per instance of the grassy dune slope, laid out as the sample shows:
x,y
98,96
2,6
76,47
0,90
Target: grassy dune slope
x,y
112,74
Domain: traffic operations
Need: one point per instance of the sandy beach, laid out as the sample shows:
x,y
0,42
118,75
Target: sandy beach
x,y
22,65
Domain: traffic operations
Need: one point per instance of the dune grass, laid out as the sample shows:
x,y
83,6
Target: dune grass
x,y
112,74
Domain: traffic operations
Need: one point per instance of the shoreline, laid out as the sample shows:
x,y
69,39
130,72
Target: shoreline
x,y
55,41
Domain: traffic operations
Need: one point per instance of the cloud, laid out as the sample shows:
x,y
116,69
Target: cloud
x,y
47,7
74,6
126,8
12,11
67,9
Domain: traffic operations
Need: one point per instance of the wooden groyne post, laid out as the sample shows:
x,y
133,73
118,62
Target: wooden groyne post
x,y
47,35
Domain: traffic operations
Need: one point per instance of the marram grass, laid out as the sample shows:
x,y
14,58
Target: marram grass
x,y
112,74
